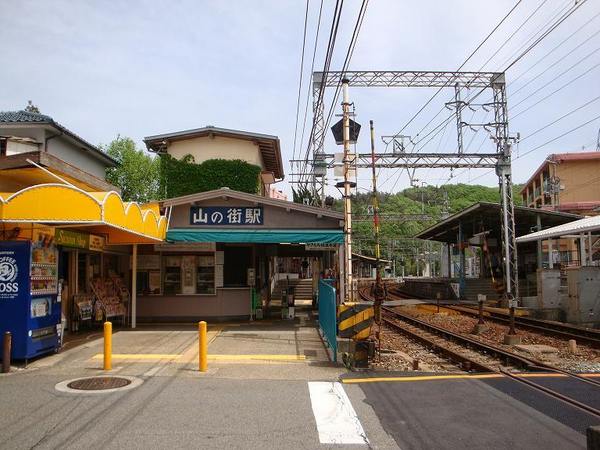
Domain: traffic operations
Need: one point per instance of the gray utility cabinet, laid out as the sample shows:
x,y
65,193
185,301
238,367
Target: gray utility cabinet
x,y
548,283
584,295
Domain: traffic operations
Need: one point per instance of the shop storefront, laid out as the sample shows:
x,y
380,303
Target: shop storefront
x,y
223,252
71,250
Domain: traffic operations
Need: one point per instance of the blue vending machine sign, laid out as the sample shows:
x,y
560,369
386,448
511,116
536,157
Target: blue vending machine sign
x,y
33,320
14,293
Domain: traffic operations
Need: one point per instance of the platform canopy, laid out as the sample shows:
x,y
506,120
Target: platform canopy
x,y
267,236
485,217
586,225
63,205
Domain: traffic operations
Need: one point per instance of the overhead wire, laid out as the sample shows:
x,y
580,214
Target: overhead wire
x,y
312,68
300,81
328,54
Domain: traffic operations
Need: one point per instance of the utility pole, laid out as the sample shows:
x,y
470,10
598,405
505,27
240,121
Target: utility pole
x,y
347,203
378,290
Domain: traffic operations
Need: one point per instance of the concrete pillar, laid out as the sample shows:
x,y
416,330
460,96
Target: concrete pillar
x,y
590,258
550,260
462,280
539,242
134,286
582,252
449,246
342,276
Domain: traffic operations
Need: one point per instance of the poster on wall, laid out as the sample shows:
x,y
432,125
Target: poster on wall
x,y
219,275
154,281
188,268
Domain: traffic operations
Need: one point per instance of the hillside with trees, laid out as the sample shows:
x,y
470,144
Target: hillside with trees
x,y
408,212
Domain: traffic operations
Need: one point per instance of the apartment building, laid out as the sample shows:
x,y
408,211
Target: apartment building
x,y
567,182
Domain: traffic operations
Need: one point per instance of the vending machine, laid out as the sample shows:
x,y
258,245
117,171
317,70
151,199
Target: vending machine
x,y
29,302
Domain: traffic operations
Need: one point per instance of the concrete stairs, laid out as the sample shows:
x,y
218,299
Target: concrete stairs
x,y
302,289
474,286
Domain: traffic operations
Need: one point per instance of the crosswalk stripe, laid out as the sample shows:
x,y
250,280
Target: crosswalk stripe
x,y
337,422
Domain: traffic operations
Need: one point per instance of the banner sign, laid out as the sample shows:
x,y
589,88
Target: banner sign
x,y
224,215
68,238
316,246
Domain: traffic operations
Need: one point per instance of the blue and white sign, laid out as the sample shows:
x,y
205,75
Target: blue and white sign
x,y
9,272
225,215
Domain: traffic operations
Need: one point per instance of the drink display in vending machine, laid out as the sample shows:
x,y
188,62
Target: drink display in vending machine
x,y
29,301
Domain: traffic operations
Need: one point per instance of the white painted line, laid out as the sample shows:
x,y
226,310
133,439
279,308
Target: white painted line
x,y
153,371
336,419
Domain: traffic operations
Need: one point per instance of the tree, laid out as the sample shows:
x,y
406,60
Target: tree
x,y
31,107
138,173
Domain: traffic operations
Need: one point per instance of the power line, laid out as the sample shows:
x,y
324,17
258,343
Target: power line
x,y
545,143
460,67
328,54
349,53
553,64
565,16
556,47
560,118
555,91
312,68
300,82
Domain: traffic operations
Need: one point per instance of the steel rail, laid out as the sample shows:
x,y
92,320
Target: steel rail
x,y
466,363
553,393
582,335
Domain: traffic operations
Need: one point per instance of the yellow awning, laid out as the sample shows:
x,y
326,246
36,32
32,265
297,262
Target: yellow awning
x,y
98,212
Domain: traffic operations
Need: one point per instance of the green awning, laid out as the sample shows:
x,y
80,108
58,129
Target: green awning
x,y
262,236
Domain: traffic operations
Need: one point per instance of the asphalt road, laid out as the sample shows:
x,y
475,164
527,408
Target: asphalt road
x,y
170,412
491,413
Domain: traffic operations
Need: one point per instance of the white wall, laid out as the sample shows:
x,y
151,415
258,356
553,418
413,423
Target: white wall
x,y
204,148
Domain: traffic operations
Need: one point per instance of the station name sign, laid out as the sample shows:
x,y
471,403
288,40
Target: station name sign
x,y
226,215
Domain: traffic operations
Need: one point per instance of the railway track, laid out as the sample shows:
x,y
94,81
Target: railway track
x,y
474,355
582,335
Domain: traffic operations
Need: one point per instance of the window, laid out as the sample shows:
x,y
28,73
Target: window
x,y
188,275
205,275
3,145
172,280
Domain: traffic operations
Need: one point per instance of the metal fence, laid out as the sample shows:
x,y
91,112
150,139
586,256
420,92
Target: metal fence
x,y
328,316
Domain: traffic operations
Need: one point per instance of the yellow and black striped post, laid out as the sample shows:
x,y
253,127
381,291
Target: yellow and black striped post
x,y
355,320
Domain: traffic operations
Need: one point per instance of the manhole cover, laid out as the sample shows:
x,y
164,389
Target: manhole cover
x,y
99,383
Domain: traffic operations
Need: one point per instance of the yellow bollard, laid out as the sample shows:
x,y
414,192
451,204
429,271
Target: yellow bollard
x,y
203,346
107,346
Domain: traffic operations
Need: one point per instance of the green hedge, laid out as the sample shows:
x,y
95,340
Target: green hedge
x,y
183,177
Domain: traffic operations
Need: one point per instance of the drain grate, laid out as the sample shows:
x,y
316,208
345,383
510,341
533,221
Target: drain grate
x,y
98,383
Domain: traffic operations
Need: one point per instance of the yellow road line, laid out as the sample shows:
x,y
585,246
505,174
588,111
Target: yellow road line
x,y
257,357
139,356
156,356
456,377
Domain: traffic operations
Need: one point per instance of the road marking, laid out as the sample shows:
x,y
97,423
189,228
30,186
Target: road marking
x,y
153,371
336,419
458,377
158,356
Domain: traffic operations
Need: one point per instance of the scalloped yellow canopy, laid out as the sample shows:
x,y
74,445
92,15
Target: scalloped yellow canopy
x,y
98,212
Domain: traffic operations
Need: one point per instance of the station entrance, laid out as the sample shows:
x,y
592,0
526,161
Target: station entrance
x,y
233,256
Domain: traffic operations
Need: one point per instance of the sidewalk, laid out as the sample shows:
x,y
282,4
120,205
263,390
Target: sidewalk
x,y
269,349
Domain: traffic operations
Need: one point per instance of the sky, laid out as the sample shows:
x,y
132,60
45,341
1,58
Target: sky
x,y
138,68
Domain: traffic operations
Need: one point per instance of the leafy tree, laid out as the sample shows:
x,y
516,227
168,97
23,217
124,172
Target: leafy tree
x,y
138,173
31,107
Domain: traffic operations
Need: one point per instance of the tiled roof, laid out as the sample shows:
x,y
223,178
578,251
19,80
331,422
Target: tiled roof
x,y
23,116
36,118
